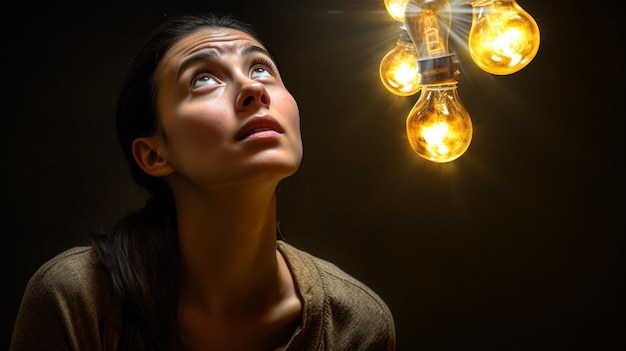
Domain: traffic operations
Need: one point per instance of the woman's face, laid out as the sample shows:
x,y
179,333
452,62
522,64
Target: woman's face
x,y
224,111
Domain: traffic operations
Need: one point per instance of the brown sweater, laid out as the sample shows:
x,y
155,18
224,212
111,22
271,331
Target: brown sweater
x,y
69,301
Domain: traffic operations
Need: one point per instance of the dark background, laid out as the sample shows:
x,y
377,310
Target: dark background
x,y
517,245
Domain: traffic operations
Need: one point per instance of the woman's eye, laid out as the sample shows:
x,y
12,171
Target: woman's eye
x,y
260,71
203,80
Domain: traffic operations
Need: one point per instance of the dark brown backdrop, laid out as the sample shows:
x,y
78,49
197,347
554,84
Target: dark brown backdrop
x,y
517,245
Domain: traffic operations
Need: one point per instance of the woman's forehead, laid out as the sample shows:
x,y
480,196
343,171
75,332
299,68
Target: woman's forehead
x,y
218,38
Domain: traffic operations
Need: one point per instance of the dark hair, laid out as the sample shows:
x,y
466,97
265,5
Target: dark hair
x,y
141,250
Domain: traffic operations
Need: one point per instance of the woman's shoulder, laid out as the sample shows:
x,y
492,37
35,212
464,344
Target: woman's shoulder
x,y
77,255
75,271
69,300
341,300
318,270
69,264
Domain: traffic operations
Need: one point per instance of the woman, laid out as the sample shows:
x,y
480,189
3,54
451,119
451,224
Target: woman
x,y
209,130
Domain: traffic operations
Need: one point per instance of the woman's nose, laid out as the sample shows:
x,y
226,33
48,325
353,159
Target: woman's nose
x,y
252,94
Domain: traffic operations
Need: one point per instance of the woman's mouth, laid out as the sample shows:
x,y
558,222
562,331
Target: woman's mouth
x,y
259,127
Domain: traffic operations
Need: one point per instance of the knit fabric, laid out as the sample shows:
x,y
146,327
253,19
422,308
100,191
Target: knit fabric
x,y
69,301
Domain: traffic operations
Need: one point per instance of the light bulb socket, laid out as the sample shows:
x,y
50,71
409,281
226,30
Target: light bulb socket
x,y
438,70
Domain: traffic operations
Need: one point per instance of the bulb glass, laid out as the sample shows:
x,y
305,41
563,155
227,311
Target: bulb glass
x,y
428,24
395,8
503,37
439,127
398,69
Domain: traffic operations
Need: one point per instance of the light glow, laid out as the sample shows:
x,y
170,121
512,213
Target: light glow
x,y
503,38
435,137
428,24
439,127
398,69
395,8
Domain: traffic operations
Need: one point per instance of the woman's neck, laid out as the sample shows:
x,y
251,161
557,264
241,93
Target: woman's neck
x,y
234,280
228,248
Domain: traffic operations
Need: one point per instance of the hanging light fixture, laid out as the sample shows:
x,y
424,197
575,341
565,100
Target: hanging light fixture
x,y
438,127
503,39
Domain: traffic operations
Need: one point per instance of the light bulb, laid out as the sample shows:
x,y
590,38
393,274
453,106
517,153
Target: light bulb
x,y
439,127
428,24
398,68
395,8
503,37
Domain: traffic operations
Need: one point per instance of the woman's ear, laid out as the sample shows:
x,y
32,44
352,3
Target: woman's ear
x,y
148,155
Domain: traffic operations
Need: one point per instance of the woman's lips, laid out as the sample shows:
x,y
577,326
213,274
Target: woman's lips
x,y
259,127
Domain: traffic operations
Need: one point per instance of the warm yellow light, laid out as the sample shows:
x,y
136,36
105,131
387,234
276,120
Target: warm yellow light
x,y
396,9
398,68
503,38
435,136
439,127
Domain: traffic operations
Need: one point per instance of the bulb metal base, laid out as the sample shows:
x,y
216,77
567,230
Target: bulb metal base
x,y
439,70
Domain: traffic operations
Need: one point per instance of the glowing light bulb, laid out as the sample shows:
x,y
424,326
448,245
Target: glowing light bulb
x,y
396,9
503,37
439,127
398,68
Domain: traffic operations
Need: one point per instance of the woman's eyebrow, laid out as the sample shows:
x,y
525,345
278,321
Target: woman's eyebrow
x,y
211,55
253,49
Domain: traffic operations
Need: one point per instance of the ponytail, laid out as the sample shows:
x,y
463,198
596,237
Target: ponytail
x,y
141,253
